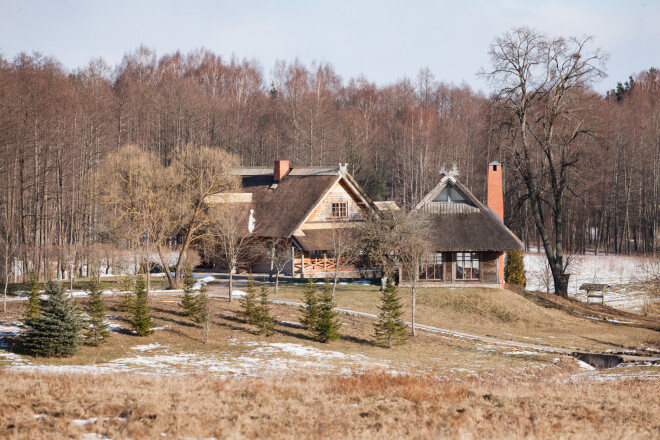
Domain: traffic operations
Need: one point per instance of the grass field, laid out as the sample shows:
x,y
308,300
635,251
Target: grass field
x,y
245,385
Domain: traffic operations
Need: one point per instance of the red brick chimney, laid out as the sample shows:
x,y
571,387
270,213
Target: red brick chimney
x,y
495,201
281,168
495,192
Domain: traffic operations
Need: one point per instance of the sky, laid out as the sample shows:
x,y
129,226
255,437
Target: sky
x,y
382,40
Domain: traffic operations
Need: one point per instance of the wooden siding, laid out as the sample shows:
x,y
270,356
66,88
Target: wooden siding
x,y
339,193
489,267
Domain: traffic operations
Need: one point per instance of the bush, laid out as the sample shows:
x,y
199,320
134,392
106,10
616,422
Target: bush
x,y
390,329
327,327
56,330
203,314
141,321
97,330
249,303
514,269
188,301
265,322
32,305
310,311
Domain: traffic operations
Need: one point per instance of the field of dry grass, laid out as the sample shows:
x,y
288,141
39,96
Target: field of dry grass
x,y
502,313
245,385
372,405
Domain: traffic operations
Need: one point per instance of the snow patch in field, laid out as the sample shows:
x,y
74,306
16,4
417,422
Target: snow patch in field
x,y
238,293
522,353
259,359
83,422
146,347
11,329
203,281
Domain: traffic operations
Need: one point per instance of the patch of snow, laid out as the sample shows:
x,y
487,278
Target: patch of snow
x,y
238,293
146,347
522,353
203,281
83,422
585,366
39,416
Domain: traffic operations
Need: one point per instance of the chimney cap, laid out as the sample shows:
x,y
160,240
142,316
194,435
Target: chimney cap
x,y
495,163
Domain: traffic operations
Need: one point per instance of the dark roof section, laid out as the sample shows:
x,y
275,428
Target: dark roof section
x,y
474,230
280,209
316,239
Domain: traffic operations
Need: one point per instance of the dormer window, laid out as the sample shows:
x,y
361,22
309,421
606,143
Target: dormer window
x,y
449,194
339,210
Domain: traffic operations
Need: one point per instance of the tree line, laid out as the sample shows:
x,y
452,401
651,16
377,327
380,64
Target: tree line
x,y
58,127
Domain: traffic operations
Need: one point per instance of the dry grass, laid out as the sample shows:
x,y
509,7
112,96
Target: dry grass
x,y
374,405
505,314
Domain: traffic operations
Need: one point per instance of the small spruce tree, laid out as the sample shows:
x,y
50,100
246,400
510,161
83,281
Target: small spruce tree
x,y
33,302
327,327
141,321
56,330
249,303
203,313
310,311
127,297
97,327
390,329
265,322
514,268
188,302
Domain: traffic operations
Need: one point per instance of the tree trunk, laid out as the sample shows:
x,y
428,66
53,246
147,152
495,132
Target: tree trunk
x,y
231,281
277,282
171,280
414,294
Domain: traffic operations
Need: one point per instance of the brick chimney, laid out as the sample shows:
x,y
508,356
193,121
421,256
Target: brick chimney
x,y
281,168
495,192
495,201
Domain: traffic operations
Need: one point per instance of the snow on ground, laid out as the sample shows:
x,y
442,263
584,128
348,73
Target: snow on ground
x,y
258,359
203,281
238,293
622,273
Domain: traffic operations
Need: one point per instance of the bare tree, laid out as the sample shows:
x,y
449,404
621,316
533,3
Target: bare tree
x,y
230,235
8,251
413,248
541,90
345,250
378,238
278,252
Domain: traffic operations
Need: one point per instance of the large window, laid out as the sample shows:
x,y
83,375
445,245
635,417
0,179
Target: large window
x,y
431,268
467,266
339,209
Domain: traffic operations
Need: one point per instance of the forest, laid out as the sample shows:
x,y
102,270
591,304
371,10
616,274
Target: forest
x,y
58,126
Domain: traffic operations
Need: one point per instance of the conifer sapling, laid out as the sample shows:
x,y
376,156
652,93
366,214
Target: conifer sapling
x,y
188,301
56,330
141,321
390,329
203,313
327,327
97,327
514,268
33,302
265,321
249,303
310,311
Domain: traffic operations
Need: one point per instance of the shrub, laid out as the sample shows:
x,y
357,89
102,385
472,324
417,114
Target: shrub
x,y
265,322
310,311
514,269
203,312
188,301
56,330
32,305
141,321
390,329
97,330
327,327
249,303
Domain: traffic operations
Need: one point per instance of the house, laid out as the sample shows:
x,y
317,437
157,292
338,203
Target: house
x,y
308,207
469,238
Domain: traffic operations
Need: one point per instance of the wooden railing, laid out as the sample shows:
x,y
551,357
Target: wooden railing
x,y
319,265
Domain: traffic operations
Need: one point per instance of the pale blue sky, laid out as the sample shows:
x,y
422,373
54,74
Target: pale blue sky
x,y
381,39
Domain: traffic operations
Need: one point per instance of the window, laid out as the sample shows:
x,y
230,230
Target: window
x,y
449,194
315,254
431,268
467,266
339,209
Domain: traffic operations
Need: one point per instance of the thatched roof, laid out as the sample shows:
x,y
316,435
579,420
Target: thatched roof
x,y
321,239
388,205
281,207
466,226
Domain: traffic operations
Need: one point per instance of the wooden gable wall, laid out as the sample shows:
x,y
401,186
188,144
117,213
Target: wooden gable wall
x,y
341,192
